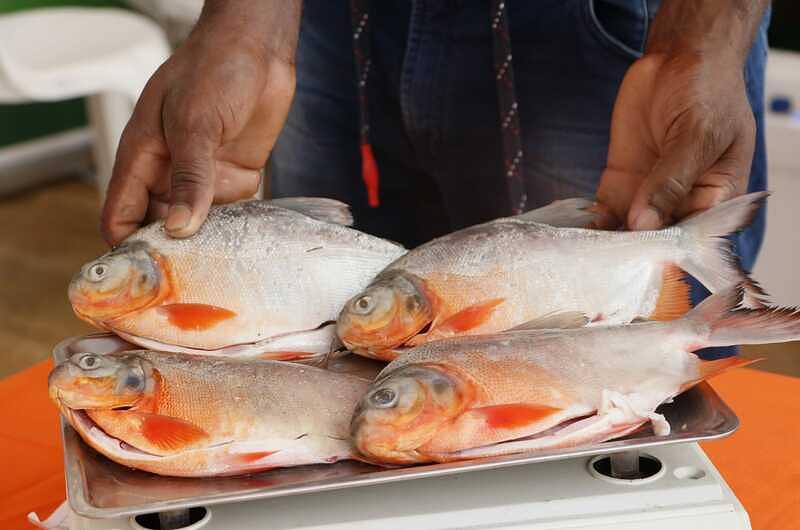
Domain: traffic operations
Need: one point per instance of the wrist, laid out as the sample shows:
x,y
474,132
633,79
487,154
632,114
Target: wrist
x,y
720,31
268,28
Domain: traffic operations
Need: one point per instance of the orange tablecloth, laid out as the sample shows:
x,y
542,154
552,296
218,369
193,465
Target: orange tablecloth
x,y
760,461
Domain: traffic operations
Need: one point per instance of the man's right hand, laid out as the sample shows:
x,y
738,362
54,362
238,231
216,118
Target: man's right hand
x,y
206,121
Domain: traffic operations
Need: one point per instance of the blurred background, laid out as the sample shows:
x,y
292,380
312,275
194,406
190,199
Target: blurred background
x,y
68,81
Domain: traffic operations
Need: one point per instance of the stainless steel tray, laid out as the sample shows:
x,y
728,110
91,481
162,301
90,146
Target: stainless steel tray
x,y
99,488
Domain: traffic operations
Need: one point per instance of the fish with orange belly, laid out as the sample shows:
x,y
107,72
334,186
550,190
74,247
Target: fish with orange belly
x,y
193,416
260,278
511,272
527,391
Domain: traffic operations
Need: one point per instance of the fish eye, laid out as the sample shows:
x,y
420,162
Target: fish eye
x,y
383,398
89,362
97,272
364,305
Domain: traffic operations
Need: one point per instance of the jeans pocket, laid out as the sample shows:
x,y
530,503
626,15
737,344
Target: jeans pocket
x,y
619,25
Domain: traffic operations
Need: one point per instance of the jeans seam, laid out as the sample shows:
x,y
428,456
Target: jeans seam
x,y
604,37
646,22
409,63
437,121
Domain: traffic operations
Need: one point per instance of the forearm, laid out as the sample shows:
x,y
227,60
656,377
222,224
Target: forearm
x,y
272,26
723,29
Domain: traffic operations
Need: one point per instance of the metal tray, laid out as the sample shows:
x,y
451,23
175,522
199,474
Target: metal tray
x,y
100,488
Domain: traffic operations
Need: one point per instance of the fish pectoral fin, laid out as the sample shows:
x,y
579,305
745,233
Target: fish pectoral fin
x,y
468,318
589,430
249,458
496,423
556,320
290,356
170,434
566,213
195,317
514,415
319,208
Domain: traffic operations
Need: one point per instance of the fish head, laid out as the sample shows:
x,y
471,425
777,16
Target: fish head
x,y
93,381
123,281
404,410
386,314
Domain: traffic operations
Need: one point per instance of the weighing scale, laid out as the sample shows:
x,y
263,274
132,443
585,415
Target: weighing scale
x,y
575,488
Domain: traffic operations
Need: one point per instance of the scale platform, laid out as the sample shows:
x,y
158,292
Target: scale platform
x,y
556,489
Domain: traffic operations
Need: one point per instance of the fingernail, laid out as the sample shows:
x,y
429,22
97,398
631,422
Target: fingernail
x,y
178,218
647,220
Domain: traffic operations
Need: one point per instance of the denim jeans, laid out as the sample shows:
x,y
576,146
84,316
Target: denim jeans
x,y
433,109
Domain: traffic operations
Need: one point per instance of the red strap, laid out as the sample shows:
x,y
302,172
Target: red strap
x,y
369,172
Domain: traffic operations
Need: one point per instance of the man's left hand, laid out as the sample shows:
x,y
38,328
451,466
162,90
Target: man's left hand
x,y
682,140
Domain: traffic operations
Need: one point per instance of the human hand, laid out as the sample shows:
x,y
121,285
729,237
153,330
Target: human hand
x,y
682,140
201,131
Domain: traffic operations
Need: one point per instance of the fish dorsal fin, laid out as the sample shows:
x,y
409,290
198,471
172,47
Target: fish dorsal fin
x,y
319,208
566,213
557,320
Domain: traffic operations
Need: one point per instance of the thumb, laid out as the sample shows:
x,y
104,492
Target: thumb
x,y
665,188
192,185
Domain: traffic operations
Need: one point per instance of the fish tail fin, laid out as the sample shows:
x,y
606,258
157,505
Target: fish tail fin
x,y
710,257
727,324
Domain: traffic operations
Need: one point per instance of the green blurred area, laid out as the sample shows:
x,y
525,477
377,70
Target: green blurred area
x,y
7,6
23,122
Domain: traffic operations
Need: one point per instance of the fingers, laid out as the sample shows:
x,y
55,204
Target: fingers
x,y
667,185
726,179
614,195
135,177
235,183
139,169
604,219
192,182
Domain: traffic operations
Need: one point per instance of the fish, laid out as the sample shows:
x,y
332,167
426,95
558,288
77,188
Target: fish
x,y
186,415
259,279
511,272
535,390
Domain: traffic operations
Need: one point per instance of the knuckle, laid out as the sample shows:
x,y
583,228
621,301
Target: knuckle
x,y
670,194
189,174
188,116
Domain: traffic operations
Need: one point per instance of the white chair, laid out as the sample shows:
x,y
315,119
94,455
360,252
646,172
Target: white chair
x,y
105,55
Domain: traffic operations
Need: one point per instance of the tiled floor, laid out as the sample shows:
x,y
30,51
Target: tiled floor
x,y
48,233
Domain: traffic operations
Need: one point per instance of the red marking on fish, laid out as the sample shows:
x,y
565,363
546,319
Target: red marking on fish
x,y
515,415
469,318
196,317
286,355
170,434
249,458
673,298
